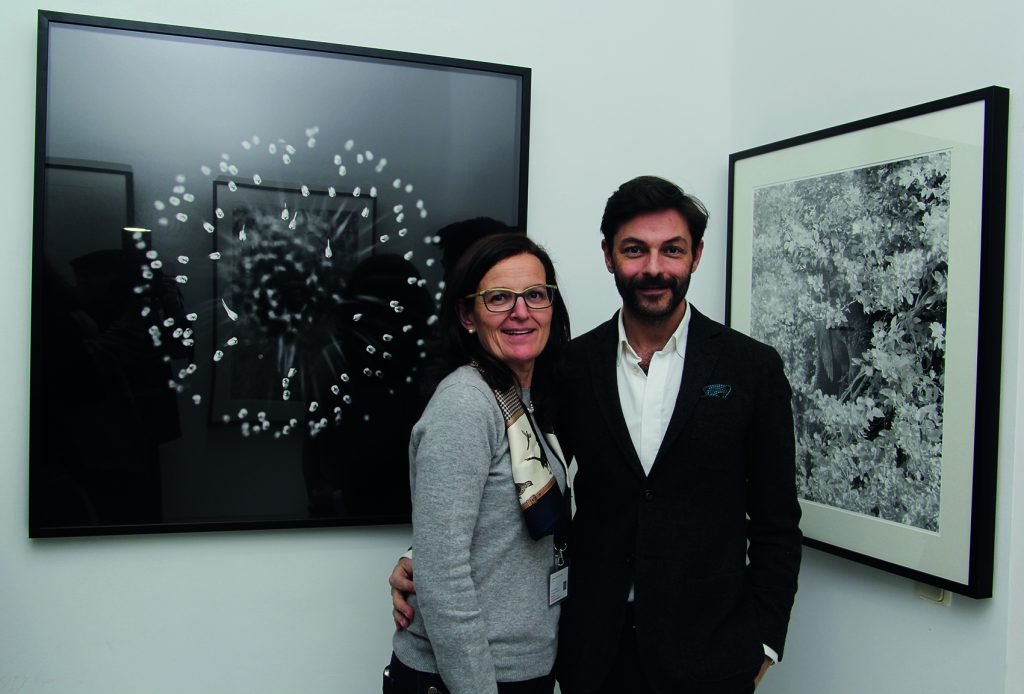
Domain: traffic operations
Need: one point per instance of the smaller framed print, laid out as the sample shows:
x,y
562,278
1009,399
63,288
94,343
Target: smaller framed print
x,y
870,256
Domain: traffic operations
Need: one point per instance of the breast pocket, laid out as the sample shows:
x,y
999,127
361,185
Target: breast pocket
x,y
720,427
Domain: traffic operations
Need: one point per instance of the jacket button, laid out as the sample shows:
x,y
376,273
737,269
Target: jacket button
x,y
648,495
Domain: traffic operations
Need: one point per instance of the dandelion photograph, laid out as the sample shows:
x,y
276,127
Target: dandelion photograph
x,y
239,252
869,255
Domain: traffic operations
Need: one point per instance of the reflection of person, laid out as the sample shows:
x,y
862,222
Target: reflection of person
x,y
456,237
685,544
107,384
487,491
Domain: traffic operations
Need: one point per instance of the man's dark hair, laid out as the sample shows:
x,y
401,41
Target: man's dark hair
x,y
457,347
646,194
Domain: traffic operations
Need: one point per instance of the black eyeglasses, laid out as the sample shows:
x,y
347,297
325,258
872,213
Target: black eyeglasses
x,y
501,300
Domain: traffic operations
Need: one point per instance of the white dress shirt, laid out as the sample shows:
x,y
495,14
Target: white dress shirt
x,y
648,399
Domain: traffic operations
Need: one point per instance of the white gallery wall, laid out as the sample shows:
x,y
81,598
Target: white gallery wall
x,y
669,88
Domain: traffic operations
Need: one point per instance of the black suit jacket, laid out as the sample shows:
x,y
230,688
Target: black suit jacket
x,y
710,539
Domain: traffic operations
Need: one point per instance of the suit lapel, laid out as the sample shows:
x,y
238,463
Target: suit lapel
x,y
605,380
702,352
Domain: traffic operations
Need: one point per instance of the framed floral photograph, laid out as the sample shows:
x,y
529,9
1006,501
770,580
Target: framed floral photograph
x,y
870,256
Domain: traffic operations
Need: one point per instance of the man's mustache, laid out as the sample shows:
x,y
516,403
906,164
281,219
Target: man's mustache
x,y
653,283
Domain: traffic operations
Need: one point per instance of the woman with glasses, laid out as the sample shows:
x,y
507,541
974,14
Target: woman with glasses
x,y
488,484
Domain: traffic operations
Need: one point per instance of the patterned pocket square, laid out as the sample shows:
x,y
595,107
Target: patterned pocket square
x,y
717,390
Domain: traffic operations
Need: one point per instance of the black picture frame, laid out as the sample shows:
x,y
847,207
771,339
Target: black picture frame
x,y
135,426
870,255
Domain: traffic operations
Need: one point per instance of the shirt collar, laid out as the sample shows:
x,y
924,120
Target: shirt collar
x,y
676,342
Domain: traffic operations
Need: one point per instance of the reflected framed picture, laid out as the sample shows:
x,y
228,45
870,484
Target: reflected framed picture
x,y
239,250
870,255
87,193
270,335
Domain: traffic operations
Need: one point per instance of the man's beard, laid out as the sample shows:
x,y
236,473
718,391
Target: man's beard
x,y
630,290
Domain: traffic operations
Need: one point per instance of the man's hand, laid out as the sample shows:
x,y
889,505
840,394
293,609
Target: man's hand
x,y
768,662
401,585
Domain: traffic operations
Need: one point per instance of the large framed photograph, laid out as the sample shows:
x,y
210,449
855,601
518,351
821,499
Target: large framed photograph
x,y
870,255
239,249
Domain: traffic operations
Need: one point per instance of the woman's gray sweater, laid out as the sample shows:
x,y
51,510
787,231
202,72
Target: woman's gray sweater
x,y
481,602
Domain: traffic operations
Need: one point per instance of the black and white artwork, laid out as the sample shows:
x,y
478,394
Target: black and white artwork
x,y
870,256
238,261
849,284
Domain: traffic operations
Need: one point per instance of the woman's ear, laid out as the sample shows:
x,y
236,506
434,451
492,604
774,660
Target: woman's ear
x,y
466,318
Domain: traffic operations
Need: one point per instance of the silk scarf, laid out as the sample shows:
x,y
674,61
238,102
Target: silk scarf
x,y
539,496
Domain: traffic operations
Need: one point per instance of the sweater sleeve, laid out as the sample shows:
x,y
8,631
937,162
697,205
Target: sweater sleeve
x,y
452,449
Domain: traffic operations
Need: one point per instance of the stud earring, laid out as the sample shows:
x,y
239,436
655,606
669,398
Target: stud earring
x,y
471,331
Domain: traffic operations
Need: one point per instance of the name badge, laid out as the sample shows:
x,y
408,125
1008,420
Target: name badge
x,y
558,585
